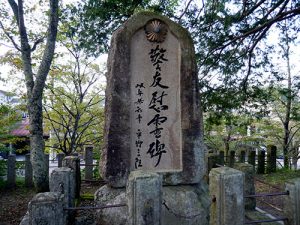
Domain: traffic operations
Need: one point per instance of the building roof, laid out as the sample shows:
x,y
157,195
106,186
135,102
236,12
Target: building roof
x,y
23,129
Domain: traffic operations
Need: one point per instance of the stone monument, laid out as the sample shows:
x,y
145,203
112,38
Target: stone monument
x,y
153,119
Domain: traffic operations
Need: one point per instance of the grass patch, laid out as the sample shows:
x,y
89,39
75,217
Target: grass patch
x,y
281,176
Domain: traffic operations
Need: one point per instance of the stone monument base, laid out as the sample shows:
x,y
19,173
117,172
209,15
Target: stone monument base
x,y
181,205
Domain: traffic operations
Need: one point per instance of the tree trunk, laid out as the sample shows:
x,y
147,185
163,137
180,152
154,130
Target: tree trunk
x,y
35,86
37,145
286,122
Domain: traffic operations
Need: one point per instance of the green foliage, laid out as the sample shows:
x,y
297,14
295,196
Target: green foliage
x,y
9,118
281,176
84,20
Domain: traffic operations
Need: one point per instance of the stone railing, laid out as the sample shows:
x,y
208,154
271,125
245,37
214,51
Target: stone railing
x,y
232,191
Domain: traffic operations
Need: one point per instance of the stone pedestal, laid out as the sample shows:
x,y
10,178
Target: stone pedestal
x,y
181,205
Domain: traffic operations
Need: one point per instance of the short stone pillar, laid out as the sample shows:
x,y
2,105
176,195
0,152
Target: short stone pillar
x,y
221,157
47,156
88,158
212,160
231,158
251,158
227,193
46,208
73,162
271,159
261,158
291,206
28,171
11,171
144,196
249,188
242,156
62,181
60,157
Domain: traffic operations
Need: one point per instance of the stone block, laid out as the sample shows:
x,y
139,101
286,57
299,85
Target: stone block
x,y
144,197
226,190
62,181
46,209
182,205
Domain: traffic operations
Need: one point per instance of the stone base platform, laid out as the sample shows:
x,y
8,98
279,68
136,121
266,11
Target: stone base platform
x,y
181,205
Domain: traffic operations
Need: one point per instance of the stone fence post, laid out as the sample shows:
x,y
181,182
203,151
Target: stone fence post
x,y
251,158
291,203
88,158
62,181
47,161
231,158
73,162
28,171
60,157
144,195
227,193
212,160
271,159
242,156
46,208
249,188
221,158
261,159
11,171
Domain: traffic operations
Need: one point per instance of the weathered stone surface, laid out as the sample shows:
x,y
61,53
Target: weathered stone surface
x,y
183,205
249,188
73,162
28,171
62,181
46,208
25,220
226,187
11,171
88,158
143,193
111,196
118,157
60,157
271,159
291,206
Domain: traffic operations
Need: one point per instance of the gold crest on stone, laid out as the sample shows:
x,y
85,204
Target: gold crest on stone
x,y
156,31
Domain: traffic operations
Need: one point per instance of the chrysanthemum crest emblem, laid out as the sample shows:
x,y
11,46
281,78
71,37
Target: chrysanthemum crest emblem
x,y
156,30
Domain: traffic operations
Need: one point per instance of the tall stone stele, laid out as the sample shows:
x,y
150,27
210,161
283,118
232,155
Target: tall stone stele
x,y
153,127
153,117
